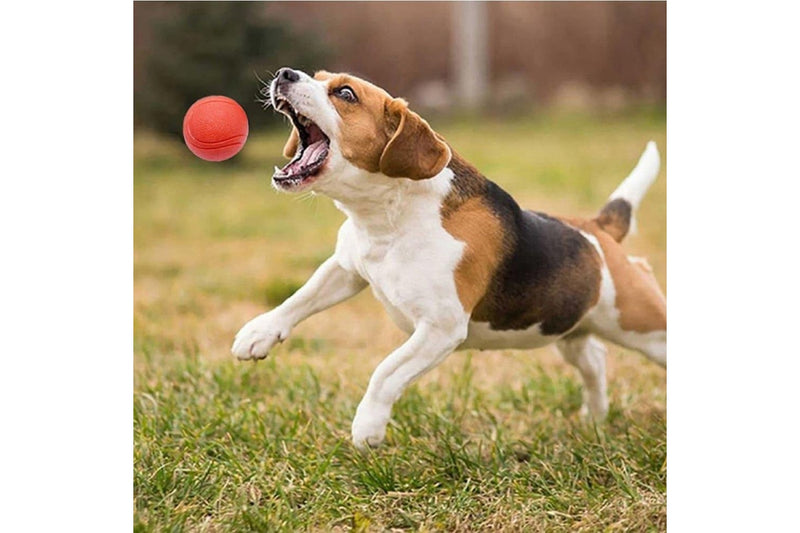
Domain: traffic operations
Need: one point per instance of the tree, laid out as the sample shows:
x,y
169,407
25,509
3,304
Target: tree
x,y
202,48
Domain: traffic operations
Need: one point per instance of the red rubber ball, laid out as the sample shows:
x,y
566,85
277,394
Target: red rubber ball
x,y
215,128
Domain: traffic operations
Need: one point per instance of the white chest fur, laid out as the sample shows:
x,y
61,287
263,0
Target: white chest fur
x,y
396,242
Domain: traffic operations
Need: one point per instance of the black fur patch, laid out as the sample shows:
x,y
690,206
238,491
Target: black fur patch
x,y
549,275
615,218
467,183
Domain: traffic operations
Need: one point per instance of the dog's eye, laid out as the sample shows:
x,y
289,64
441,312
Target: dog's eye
x,y
346,93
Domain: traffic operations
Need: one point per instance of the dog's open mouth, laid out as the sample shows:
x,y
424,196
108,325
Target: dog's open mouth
x,y
312,150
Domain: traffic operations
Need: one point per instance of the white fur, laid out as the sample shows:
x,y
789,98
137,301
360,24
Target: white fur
x,y
329,285
588,355
483,337
394,241
427,347
634,187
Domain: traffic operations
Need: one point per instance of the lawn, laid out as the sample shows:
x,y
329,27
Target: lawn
x,y
487,441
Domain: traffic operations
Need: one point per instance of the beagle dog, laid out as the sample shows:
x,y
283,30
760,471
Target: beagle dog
x,y
454,260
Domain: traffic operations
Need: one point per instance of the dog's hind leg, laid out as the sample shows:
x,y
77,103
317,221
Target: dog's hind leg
x,y
653,344
588,355
632,310
641,312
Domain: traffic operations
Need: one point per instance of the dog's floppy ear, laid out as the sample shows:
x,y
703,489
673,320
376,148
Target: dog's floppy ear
x,y
290,148
414,151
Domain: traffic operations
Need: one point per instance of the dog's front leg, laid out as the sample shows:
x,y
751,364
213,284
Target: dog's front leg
x,y
427,347
329,285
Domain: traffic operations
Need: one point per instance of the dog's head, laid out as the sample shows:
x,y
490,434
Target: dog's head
x,y
347,128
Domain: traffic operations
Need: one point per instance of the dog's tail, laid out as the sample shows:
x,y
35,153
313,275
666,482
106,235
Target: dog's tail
x,y
617,216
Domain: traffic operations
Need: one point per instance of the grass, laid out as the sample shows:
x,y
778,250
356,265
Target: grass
x,y
487,441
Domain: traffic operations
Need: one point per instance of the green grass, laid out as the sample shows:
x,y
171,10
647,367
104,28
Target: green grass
x,y
487,441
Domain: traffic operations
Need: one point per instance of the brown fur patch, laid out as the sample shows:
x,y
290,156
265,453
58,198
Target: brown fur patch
x,y
641,304
415,151
554,285
519,268
381,134
642,264
368,126
473,223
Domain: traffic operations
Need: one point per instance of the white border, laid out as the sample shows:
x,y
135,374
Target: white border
x,y
66,217
733,291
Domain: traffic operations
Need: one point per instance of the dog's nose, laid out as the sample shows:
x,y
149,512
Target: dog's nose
x,y
287,75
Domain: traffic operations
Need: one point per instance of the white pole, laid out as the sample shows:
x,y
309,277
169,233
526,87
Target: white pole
x,y
470,52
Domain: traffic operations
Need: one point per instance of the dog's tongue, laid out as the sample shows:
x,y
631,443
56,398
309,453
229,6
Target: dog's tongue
x,y
313,152
310,156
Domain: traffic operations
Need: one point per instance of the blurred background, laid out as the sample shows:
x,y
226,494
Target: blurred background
x,y
502,57
554,101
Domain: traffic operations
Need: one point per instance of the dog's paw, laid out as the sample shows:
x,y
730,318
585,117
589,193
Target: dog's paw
x,y
257,337
594,409
369,428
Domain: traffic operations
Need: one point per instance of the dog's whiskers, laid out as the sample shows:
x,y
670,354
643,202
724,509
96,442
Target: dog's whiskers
x,y
266,102
267,84
307,197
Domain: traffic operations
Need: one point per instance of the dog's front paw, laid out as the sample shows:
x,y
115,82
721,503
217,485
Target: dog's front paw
x,y
369,428
594,408
257,337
